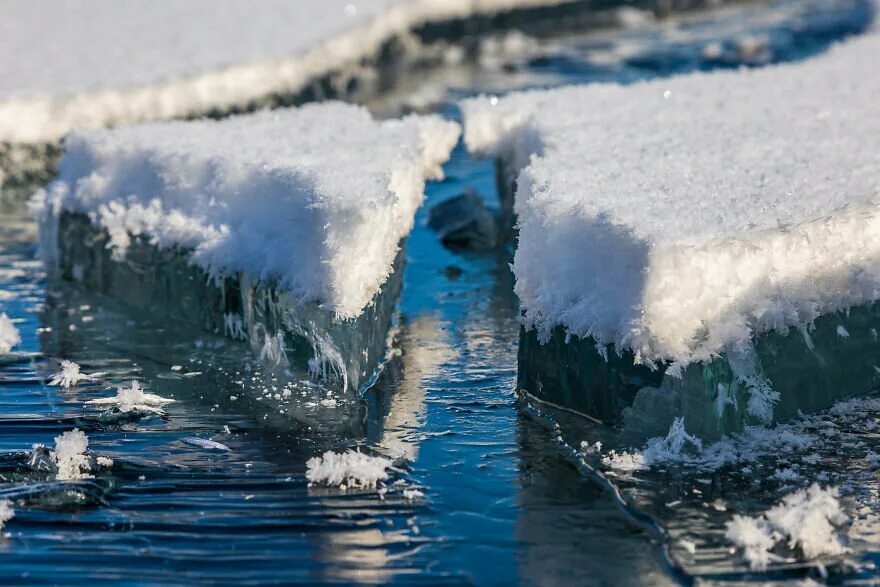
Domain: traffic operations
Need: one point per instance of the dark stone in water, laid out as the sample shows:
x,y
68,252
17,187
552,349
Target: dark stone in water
x,y
464,223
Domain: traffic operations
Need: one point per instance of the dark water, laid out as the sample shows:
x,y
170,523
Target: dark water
x,y
505,498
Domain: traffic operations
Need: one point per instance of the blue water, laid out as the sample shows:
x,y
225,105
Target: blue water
x,y
502,501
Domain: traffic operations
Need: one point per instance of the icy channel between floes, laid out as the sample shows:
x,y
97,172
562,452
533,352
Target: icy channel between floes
x,y
316,199
70,64
681,217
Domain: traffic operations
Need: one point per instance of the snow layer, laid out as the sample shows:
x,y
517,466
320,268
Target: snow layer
x,y
9,335
347,469
73,64
316,197
680,217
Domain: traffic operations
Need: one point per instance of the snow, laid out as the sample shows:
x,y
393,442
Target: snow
x,y
681,217
70,456
73,64
316,197
69,375
347,469
9,335
6,512
134,399
807,520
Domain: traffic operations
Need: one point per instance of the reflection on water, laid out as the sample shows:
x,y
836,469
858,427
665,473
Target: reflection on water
x,y
501,502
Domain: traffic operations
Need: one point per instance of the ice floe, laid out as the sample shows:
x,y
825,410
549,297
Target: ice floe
x,y
317,197
680,217
347,469
73,64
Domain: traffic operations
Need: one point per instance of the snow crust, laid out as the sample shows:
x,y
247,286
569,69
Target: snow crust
x,y
347,469
73,64
316,198
680,217
806,520
9,335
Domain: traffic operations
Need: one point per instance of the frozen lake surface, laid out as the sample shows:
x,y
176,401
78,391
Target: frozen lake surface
x,y
493,490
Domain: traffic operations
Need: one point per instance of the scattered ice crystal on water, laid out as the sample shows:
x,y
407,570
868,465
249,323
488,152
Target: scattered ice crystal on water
x,y
70,456
9,335
347,469
69,375
807,520
6,512
134,399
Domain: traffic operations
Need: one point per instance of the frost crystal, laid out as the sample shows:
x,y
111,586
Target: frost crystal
x,y
69,375
134,399
70,456
347,469
807,520
9,336
6,512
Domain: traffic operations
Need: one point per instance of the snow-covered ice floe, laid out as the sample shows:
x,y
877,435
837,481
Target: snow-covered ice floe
x,y
74,64
283,228
706,245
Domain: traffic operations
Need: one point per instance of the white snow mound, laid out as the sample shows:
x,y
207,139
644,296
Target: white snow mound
x,y
90,63
680,217
317,198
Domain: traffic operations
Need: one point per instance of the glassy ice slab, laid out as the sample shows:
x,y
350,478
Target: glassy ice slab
x,y
280,228
710,234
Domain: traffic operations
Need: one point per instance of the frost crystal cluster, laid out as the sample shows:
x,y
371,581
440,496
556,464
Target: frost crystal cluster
x,y
347,469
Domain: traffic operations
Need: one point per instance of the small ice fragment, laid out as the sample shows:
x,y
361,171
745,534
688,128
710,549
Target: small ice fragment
x,y
6,512
688,546
842,332
129,399
350,468
70,456
69,375
104,462
176,367
205,443
9,335
412,494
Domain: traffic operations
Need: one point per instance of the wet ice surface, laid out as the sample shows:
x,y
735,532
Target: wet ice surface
x,y
481,490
